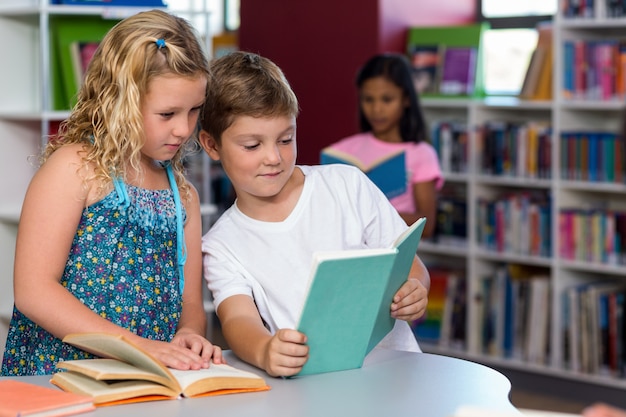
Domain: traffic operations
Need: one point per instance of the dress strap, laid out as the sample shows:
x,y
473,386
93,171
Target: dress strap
x,y
181,248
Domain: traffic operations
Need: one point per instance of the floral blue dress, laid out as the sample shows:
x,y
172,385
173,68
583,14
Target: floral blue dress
x,y
122,265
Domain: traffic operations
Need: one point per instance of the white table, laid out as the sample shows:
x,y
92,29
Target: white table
x,y
390,384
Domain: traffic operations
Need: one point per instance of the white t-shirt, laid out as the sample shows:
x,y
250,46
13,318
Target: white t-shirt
x,y
339,208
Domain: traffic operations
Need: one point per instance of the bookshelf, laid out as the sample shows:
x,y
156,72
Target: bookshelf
x,y
28,113
563,114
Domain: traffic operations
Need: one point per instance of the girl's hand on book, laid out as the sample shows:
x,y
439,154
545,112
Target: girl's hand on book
x,y
286,353
410,301
174,355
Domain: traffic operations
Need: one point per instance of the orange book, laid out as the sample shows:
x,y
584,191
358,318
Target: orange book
x,y
23,399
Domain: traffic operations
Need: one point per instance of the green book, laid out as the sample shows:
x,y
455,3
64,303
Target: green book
x,y
347,309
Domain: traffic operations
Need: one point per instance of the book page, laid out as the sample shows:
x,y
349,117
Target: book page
x,y
116,347
104,392
216,377
113,369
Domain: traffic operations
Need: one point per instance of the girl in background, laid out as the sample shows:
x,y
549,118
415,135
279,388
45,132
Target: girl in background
x,y
391,119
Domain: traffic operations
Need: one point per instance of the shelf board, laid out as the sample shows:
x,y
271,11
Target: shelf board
x,y
510,181
443,249
494,256
443,102
598,187
593,267
593,105
456,176
511,102
520,365
34,116
592,23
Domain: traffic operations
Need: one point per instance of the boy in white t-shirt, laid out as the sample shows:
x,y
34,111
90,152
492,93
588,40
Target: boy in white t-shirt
x,y
258,255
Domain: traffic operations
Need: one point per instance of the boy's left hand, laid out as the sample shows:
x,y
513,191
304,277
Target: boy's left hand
x,y
409,303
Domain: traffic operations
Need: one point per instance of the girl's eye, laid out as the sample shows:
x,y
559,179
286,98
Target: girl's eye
x,y
167,115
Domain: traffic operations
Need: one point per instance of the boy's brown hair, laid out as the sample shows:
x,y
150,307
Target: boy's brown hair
x,y
245,84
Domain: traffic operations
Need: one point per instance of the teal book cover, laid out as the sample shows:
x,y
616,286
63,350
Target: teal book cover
x,y
406,246
348,305
388,173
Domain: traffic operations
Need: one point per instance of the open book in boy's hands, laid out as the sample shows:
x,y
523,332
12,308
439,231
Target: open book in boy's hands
x,y
130,374
347,311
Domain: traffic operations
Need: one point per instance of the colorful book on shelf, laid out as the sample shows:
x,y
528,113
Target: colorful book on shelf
x,y
458,71
537,84
426,61
388,172
22,399
453,37
82,53
64,32
125,373
347,309
429,327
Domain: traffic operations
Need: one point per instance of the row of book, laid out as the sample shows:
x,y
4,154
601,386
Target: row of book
x,y
593,8
592,156
593,328
444,323
513,313
451,220
517,223
443,70
450,140
594,70
592,235
515,149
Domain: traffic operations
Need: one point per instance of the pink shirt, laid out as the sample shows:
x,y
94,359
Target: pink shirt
x,y
422,162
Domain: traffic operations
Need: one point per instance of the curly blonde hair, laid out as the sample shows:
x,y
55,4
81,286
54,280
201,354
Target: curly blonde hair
x,y
107,118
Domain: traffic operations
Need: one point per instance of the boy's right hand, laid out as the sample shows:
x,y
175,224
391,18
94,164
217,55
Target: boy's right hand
x,y
286,353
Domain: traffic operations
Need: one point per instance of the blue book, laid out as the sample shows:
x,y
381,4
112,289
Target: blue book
x,y
388,172
347,309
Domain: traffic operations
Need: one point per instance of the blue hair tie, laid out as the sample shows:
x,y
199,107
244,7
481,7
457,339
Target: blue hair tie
x,y
160,43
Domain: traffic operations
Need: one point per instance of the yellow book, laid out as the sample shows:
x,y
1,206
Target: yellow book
x,y
126,373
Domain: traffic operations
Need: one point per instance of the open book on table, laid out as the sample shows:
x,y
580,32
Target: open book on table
x,y
387,172
347,310
126,373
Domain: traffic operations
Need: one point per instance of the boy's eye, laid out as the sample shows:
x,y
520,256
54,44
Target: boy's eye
x,y
286,141
250,147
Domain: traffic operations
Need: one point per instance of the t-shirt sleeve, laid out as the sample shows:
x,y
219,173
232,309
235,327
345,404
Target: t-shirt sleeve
x,y
423,162
220,273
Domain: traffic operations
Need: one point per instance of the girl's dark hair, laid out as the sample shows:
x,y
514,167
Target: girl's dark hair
x,y
397,69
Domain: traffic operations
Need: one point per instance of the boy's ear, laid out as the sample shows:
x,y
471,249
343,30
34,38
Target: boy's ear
x,y
209,145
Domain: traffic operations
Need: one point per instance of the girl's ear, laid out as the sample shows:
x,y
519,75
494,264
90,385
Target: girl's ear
x,y
209,145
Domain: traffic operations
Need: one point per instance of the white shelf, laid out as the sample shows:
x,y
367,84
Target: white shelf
x,y
563,116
